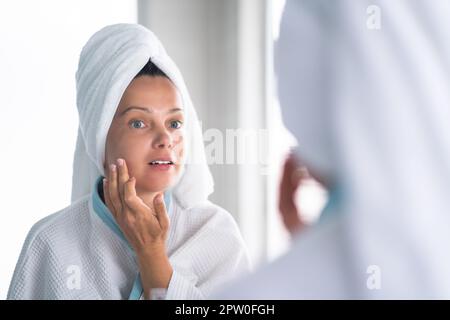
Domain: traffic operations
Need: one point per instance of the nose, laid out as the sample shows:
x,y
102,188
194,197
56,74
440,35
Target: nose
x,y
163,140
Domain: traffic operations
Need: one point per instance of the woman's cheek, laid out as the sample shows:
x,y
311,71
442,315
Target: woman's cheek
x,y
180,144
180,157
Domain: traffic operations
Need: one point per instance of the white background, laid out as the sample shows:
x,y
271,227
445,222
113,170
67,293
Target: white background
x,y
40,42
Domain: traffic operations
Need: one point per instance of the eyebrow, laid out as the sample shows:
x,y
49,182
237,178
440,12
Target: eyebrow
x,y
148,110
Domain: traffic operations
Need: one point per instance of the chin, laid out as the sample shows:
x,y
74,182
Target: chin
x,y
154,185
156,181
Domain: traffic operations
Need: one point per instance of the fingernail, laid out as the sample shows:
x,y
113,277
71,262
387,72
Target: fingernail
x,y
120,162
112,167
104,180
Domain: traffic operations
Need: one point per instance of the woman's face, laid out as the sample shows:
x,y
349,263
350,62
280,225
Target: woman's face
x,y
147,131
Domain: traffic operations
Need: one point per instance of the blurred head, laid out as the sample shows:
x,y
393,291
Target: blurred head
x,y
147,131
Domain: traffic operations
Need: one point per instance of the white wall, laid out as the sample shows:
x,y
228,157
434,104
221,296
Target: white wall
x,y
39,49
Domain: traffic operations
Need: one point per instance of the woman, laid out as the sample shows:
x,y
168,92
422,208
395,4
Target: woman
x,y
140,224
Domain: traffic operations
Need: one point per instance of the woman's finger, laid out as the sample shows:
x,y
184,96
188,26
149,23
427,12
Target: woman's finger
x,y
161,213
113,189
123,177
132,201
287,204
107,199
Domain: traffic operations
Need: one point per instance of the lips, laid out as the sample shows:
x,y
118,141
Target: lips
x,y
162,160
162,164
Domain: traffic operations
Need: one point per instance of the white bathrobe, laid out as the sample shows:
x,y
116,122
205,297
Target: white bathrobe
x,y
73,254
79,252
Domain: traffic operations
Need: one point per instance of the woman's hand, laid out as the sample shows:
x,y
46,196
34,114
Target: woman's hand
x,y
145,227
293,174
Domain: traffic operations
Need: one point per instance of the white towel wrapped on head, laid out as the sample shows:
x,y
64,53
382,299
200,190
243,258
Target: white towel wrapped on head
x,y
108,63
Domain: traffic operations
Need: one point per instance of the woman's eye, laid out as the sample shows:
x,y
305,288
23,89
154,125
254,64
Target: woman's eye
x,y
137,124
175,124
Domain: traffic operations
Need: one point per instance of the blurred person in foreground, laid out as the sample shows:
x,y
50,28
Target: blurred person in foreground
x,y
369,103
